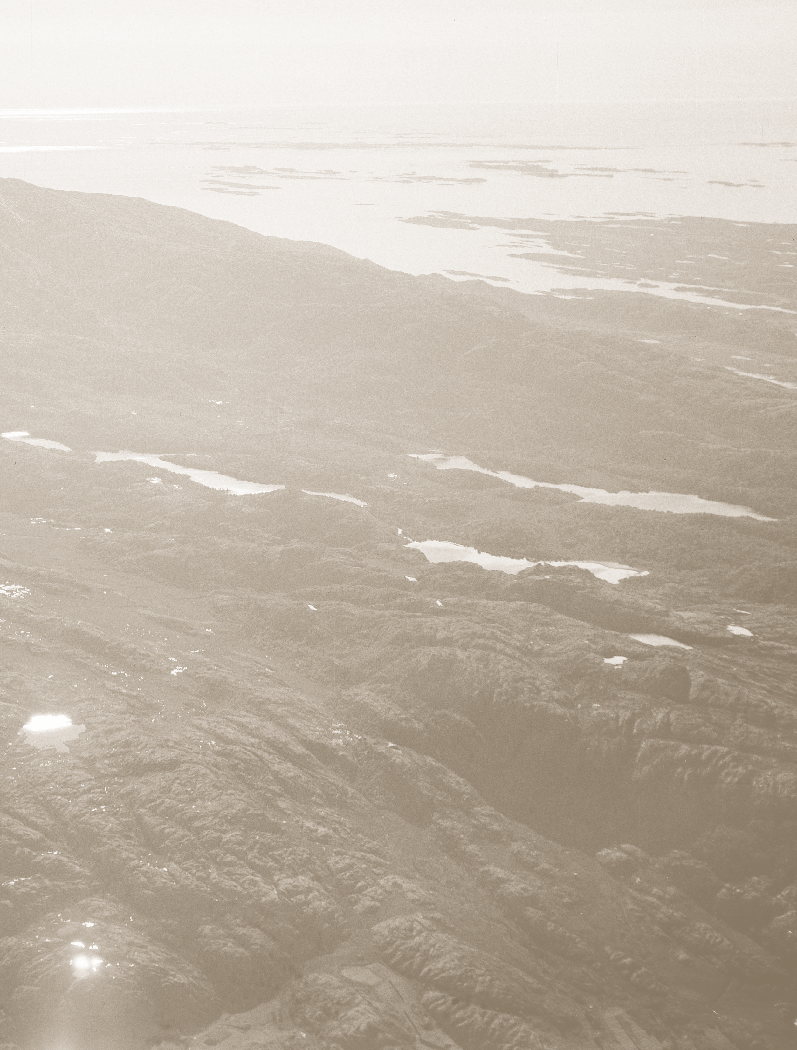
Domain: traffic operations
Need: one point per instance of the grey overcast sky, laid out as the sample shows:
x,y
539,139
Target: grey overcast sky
x,y
162,53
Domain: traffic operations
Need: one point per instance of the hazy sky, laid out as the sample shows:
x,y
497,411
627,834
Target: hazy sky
x,y
126,53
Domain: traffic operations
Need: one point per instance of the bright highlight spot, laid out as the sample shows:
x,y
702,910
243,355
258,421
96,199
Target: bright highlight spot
x,y
41,723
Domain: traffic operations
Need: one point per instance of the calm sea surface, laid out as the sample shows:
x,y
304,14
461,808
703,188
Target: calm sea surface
x,y
349,176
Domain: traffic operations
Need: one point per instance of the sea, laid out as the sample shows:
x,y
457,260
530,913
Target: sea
x,y
352,177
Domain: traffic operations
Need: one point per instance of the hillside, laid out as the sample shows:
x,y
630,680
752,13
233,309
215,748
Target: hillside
x,y
320,790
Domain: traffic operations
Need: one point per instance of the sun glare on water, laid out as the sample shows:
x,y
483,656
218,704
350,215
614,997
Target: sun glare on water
x,y
42,723
42,731
86,963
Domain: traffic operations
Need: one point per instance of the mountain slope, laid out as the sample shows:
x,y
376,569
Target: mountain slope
x,y
328,794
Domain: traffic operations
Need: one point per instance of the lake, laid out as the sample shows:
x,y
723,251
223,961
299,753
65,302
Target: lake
x,y
56,731
211,479
438,551
672,502
24,437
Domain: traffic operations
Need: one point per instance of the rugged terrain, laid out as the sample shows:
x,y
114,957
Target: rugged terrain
x,y
330,795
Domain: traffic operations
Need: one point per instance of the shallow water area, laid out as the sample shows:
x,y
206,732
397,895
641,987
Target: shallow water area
x,y
24,437
440,551
211,479
672,502
658,639
43,731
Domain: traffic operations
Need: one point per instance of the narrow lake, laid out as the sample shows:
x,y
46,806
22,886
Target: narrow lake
x,y
766,379
211,479
658,639
26,439
673,502
337,495
438,551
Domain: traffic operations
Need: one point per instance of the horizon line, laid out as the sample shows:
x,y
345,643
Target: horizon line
x,y
221,107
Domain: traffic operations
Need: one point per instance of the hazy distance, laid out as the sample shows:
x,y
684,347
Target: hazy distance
x,y
94,54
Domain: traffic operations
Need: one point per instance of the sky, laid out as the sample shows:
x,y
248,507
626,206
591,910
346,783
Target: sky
x,y
196,53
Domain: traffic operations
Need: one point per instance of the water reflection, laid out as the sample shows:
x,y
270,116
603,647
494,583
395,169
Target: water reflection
x,y
51,731
13,590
